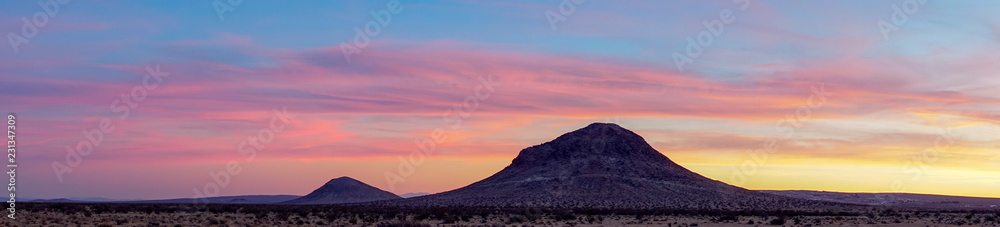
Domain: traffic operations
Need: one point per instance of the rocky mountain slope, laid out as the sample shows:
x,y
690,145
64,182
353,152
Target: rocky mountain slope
x,y
602,165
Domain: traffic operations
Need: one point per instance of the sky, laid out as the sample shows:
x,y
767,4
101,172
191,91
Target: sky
x,y
177,99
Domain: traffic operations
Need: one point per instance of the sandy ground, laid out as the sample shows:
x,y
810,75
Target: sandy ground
x,y
238,219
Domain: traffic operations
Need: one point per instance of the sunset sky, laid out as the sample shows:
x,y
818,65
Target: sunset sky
x,y
848,103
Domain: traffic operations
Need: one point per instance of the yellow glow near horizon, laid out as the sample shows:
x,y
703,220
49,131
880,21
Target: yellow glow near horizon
x,y
872,179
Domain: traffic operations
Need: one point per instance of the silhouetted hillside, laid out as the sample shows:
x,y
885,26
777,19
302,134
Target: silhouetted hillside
x,y
344,190
602,165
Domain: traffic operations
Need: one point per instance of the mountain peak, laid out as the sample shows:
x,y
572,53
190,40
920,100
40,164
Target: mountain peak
x,y
603,141
344,190
602,125
604,129
602,132
344,180
600,165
